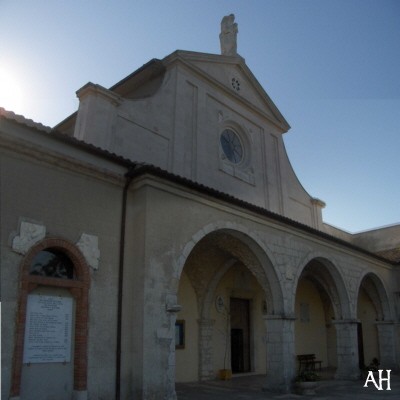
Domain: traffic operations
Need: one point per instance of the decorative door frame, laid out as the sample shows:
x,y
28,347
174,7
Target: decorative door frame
x,y
79,289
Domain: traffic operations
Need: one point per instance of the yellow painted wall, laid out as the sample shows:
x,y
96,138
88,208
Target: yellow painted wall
x,y
366,313
187,359
331,339
311,336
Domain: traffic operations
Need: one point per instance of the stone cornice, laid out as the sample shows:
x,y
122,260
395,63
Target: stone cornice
x,y
98,90
185,59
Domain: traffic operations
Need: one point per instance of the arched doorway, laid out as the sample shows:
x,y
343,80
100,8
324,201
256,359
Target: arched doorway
x,y
317,305
373,314
225,290
52,323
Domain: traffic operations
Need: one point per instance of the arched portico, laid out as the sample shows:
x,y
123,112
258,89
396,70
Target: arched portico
x,y
327,276
230,265
324,326
376,330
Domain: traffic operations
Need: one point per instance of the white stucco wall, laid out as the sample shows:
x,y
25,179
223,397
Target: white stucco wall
x,y
68,199
177,126
187,359
71,192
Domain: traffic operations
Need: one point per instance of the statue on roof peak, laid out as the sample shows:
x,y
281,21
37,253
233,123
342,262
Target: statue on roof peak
x,y
228,36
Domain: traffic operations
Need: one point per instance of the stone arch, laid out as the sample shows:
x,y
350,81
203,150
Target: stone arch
x,y
326,276
262,266
377,292
376,337
207,259
376,318
320,300
79,289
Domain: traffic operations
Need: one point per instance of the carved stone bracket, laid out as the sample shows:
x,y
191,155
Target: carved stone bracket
x,y
29,234
171,304
89,246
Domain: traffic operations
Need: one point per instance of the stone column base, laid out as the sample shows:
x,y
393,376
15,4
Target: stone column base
x,y
347,349
280,351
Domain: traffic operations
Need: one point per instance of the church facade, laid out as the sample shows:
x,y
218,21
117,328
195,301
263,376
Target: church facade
x,y
160,235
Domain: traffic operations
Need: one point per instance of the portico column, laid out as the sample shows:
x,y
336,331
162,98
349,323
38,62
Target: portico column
x,y
172,308
206,328
387,346
280,353
347,349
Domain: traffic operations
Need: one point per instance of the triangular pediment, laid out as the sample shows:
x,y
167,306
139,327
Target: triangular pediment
x,y
232,75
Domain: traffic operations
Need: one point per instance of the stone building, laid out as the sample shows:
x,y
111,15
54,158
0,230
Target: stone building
x,y
159,235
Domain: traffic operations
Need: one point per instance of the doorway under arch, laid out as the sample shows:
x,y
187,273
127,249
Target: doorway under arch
x,y
224,292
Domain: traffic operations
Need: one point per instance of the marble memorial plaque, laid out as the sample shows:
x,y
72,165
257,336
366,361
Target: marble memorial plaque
x,y
48,329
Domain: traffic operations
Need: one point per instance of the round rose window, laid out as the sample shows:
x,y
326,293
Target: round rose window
x,y
231,146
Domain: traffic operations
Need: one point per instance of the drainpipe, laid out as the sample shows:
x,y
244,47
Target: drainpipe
x,y
128,180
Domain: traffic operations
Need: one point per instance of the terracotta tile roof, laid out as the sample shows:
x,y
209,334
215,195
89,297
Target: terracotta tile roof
x,y
391,254
65,138
142,169
136,169
22,120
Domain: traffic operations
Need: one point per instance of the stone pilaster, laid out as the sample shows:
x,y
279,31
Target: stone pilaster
x,y
206,328
172,308
280,353
387,344
158,377
347,349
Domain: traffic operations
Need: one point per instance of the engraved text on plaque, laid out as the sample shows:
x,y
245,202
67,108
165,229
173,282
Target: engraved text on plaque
x,y
48,329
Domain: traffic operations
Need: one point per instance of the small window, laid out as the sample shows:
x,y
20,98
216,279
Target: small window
x,y
180,334
52,263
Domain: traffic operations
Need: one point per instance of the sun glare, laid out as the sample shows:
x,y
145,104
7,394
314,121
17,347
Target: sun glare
x,y
10,92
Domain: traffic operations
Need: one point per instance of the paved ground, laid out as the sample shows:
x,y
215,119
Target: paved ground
x,y
250,387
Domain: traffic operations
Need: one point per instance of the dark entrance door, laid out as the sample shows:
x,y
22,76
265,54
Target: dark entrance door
x,y
240,335
237,350
361,361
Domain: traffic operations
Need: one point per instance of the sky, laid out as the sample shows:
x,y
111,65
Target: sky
x,y
331,67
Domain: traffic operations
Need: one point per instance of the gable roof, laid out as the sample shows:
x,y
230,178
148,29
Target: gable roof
x,y
204,65
251,92
150,70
